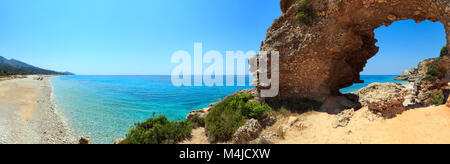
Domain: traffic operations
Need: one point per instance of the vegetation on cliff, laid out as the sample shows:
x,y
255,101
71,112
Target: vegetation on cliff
x,y
433,73
444,51
196,121
230,114
158,130
304,11
437,98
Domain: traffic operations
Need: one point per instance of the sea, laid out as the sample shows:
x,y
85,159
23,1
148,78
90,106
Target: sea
x,y
104,108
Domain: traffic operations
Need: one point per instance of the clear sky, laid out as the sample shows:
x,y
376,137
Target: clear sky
x,y
138,37
403,45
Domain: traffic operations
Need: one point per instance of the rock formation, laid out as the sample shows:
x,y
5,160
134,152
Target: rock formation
x,y
84,141
448,102
201,113
416,75
423,89
409,75
319,58
248,132
381,93
384,98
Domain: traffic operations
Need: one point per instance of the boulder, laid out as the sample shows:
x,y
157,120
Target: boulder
x,y
384,98
248,132
84,141
383,93
119,141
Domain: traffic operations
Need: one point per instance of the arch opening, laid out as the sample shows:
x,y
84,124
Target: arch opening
x,y
402,46
320,58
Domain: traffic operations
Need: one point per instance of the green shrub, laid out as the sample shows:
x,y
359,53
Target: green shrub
x,y
433,73
444,51
303,17
430,78
196,121
255,110
158,130
437,98
222,123
304,11
230,114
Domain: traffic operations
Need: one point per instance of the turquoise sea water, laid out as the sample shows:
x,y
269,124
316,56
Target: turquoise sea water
x,y
369,79
105,107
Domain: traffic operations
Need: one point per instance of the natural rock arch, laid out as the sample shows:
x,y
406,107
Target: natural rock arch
x,y
317,60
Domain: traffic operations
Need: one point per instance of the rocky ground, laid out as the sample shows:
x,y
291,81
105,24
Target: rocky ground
x,y
418,126
376,114
28,114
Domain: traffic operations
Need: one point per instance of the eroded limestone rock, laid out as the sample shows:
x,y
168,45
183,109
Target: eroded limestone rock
x,y
201,113
381,93
318,59
248,132
343,118
384,98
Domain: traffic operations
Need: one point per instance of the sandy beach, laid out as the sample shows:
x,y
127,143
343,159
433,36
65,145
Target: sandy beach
x,y
417,126
28,114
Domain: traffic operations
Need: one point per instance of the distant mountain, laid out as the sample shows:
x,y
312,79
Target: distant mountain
x,y
15,67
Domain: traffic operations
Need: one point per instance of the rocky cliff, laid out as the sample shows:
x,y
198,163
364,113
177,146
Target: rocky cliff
x,y
327,54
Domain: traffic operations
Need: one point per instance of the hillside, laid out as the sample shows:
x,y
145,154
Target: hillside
x,y
15,67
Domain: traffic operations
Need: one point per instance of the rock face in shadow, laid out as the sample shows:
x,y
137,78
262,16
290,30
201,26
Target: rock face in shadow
x,y
448,102
318,59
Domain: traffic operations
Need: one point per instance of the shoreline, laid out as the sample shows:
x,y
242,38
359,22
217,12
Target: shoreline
x,y
71,135
29,113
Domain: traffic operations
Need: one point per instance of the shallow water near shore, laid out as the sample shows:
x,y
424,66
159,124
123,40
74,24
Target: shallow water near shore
x,y
369,79
104,108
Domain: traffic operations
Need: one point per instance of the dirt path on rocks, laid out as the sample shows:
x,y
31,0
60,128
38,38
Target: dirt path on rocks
x,y
198,137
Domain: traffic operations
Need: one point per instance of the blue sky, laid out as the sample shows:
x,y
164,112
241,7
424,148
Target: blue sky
x,y
138,37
